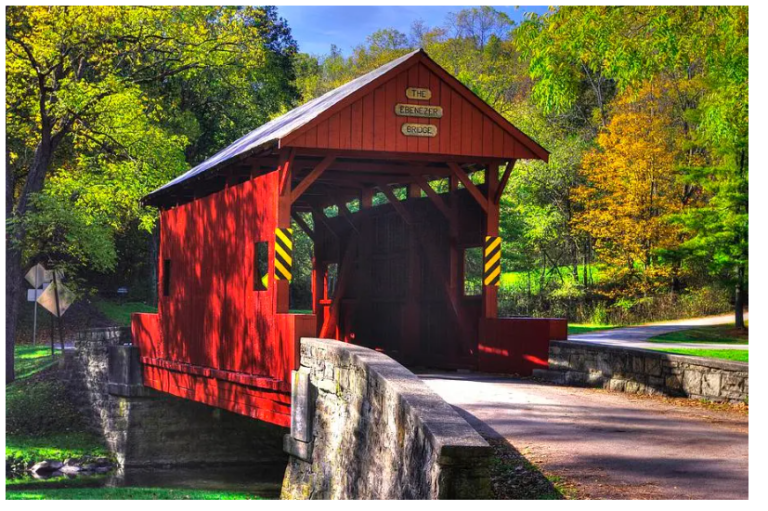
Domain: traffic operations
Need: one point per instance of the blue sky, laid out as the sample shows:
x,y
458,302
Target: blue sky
x,y
315,28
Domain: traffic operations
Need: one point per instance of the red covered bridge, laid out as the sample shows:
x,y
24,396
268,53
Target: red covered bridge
x,y
415,276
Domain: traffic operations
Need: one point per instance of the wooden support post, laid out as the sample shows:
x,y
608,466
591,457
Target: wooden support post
x,y
455,256
414,191
490,293
345,271
283,287
366,198
411,328
318,268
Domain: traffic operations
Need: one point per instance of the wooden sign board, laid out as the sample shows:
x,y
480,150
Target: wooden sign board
x,y
417,93
428,111
410,129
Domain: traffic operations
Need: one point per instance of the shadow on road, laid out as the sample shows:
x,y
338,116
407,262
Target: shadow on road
x,y
513,476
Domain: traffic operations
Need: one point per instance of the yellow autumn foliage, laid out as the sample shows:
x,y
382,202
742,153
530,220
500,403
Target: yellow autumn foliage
x,y
632,186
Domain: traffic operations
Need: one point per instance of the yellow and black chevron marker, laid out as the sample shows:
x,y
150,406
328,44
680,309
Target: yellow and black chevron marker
x,y
492,261
283,254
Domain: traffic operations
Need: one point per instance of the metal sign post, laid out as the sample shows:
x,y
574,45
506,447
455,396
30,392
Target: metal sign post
x,y
35,276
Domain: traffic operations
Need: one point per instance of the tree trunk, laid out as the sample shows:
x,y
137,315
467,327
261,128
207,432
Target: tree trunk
x,y
739,299
14,272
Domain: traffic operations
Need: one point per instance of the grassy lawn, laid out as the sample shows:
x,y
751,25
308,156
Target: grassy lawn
x,y
32,359
734,355
42,423
583,328
718,334
120,313
111,493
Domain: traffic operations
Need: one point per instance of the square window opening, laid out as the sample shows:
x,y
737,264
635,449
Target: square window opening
x,y
261,266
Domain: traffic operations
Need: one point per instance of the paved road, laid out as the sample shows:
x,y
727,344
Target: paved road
x,y
612,445
636,336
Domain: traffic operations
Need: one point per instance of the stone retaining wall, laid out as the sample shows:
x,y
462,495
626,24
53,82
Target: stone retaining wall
x,y
364,427
645,371
155,429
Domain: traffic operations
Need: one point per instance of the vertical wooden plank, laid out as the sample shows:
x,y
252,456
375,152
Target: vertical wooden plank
x,y
412,145
434,85
356,125
391,128
345,130
467,130
379,118
322,134
333,131
444,135
367,128
487,136
311,137
402,140
498,140
423,142
477,127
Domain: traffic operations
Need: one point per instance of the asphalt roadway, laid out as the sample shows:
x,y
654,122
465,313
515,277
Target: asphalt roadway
x,y
610,445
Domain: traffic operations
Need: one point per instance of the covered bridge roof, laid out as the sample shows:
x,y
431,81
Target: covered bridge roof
x,y
274,132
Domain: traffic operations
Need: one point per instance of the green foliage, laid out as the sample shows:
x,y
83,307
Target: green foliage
x,y
120,313
105,104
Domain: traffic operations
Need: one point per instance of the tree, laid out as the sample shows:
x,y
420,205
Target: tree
x,y
93,102
702,47
632,187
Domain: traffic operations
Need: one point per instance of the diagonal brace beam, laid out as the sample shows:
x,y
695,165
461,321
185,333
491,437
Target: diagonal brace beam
x,y
469,185
312,177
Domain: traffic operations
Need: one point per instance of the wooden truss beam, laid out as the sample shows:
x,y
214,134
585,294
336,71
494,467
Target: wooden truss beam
x,y
434,197
387,191
304,226
469,185
504,180
312,177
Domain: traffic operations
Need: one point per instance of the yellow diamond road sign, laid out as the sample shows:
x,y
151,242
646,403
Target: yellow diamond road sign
x,y
48,298
36,276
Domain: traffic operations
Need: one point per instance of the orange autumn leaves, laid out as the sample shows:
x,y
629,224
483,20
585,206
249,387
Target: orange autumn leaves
x,y
632,186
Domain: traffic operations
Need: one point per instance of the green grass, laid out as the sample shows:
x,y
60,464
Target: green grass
x,y
30,360
24,449
42,423
719,334
519,279
734,355
120,313
111,493
582,328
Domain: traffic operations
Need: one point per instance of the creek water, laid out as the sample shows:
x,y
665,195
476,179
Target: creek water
x,y
261,480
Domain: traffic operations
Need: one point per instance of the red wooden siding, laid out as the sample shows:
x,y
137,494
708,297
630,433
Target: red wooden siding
x,y
215,329
370,123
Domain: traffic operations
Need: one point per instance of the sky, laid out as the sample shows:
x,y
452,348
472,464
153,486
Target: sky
x,y
315,28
